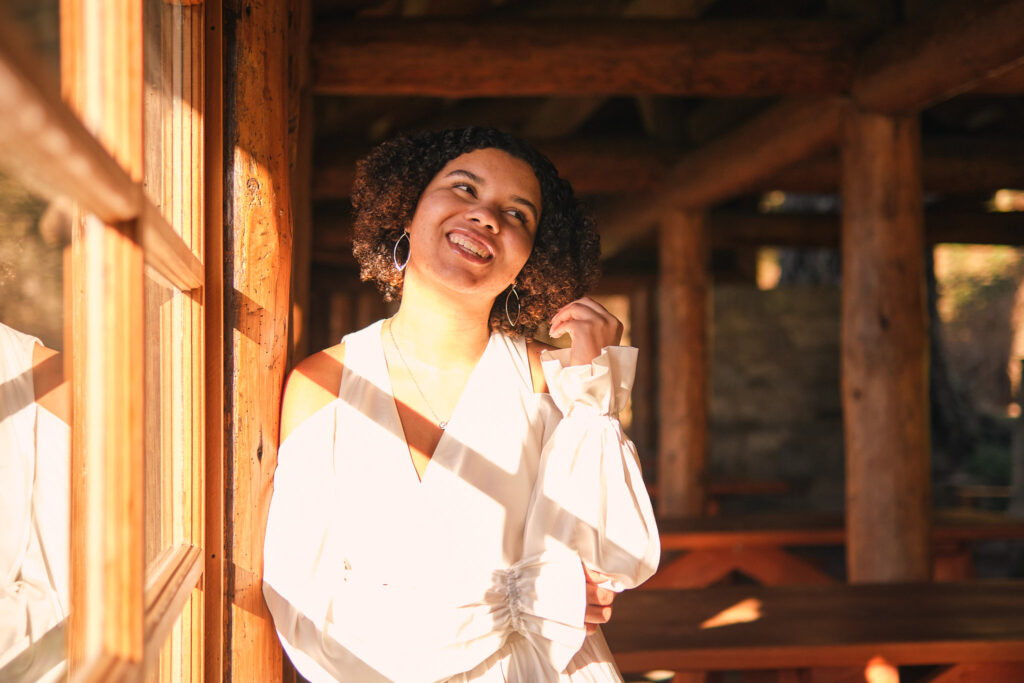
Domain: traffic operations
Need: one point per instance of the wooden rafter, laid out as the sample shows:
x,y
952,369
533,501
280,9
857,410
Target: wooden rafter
x,y
948,52
949,166
961,45
736,229
473,58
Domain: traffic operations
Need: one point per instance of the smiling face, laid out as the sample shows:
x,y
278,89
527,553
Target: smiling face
x,y
475,222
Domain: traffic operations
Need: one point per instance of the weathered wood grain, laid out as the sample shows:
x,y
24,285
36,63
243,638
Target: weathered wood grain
x,y
884,364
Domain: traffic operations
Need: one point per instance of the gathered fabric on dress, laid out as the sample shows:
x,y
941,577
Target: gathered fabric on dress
x,y
475,572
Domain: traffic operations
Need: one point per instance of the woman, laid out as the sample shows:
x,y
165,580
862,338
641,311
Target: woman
x,y
440,498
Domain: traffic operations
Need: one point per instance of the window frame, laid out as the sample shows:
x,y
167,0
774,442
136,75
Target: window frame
x,y
88,147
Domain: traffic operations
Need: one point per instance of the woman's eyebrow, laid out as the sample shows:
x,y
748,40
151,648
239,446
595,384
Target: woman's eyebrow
x,y
477,179
528,204
468,174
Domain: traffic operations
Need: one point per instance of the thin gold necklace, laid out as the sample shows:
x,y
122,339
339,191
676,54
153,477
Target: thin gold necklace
x,y
443,424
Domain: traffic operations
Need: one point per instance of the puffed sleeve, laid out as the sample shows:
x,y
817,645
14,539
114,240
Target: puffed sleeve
x,y
590,496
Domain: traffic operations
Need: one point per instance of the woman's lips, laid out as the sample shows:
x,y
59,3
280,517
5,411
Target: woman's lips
x,y
469,247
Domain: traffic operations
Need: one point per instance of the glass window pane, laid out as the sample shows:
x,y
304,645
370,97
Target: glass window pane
x,y
34,434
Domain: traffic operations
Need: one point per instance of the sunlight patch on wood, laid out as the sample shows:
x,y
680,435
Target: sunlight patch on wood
x,y
742,612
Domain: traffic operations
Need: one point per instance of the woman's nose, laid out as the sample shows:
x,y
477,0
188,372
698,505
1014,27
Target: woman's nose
x,y
484,215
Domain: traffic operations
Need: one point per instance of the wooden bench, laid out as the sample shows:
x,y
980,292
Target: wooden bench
x,y
755,545
804,627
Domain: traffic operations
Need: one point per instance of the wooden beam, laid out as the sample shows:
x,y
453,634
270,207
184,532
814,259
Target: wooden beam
x,y
502,58
739,230
683,363
781,136
592,166
730,230
559,116
1007,82
945,53
909,68
743,229
257,255
885,351
949,166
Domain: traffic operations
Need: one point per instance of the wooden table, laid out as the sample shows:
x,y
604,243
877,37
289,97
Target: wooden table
x,y
838,625
755,545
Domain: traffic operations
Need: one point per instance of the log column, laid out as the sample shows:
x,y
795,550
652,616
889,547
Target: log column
x,y
257,258
683,358
884,350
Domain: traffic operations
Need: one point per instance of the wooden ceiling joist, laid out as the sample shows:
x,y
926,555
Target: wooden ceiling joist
x,y
962,44
737,229
953,50
786,133
730,230
950,166
481,58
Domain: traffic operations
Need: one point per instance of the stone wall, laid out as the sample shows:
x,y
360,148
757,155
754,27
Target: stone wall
x,y
775,408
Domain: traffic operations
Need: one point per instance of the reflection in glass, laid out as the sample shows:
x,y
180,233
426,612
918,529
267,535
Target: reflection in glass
x,y
34,438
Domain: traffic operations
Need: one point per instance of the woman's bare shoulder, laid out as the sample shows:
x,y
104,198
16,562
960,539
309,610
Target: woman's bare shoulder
x,y
533,349
311,385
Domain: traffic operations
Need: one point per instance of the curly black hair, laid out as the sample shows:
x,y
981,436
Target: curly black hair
x,y
563,264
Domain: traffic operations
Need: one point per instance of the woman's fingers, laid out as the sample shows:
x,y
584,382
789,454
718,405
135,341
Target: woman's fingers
x,y
585,309
590,326
596,615
599,600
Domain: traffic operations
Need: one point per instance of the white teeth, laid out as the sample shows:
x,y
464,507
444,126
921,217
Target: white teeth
x,y
469,245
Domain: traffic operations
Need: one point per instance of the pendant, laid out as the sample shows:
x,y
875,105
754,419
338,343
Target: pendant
x,y
443,425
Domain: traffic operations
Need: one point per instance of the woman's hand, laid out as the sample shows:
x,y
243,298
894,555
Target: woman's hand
x,y
599,600
590,326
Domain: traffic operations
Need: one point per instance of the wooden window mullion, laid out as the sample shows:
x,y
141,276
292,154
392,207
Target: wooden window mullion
x,y
102,46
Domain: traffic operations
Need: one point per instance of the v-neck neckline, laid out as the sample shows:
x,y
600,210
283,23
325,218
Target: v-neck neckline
x,y
453,419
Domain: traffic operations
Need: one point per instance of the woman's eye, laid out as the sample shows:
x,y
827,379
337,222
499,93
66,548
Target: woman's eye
x,y
465,188
518,215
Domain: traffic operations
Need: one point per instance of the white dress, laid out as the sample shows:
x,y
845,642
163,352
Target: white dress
x,y
34,502
473,573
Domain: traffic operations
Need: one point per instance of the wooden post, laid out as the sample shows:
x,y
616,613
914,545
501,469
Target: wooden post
x,y
257,253
683,357
214,575
641,330
884,350
300,144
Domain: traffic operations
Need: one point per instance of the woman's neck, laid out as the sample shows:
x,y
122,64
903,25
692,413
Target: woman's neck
x,y
441,329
